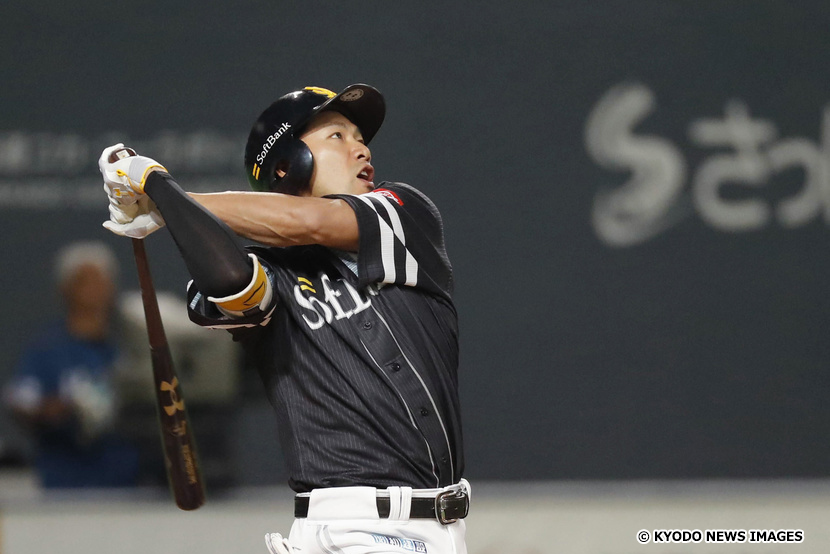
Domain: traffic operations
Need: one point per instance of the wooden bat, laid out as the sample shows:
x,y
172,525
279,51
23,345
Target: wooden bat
x,y
176,436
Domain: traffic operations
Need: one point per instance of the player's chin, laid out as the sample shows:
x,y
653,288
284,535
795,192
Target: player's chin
x,y
364,186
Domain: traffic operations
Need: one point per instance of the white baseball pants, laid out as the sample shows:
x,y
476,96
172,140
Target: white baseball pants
x,y
344,520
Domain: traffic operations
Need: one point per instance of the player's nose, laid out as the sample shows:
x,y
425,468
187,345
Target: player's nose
x,y
362,152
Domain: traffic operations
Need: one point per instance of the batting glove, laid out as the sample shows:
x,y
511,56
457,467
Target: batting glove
x,y
135,220
124,179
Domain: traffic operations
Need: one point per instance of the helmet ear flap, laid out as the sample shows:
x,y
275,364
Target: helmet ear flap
x,y
297,176
264,178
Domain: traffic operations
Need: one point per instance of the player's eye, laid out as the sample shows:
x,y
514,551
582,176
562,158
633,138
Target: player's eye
x,y
337,134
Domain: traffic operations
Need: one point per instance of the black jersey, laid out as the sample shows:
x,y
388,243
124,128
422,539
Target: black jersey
x,y
360,363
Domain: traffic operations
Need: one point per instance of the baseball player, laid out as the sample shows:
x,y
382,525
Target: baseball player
x,y
346,307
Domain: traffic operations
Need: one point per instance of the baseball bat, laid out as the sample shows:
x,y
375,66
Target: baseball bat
x,y
176,435
181,461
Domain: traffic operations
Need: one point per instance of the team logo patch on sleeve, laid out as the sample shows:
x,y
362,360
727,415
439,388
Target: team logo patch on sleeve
x,y
389,194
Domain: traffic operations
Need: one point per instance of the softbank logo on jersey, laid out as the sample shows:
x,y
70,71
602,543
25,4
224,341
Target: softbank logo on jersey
x,y
334,306
744,183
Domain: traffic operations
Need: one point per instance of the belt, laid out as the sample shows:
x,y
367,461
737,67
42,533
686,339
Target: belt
x,y
447,507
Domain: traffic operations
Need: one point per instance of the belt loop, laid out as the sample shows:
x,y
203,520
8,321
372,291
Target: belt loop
x,y
406,502
466,485
400,503
394,502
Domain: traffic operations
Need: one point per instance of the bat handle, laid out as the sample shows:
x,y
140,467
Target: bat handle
x,y
155,328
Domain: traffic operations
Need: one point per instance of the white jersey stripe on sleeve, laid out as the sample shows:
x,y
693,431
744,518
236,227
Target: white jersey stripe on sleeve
x,y
410,263
387,245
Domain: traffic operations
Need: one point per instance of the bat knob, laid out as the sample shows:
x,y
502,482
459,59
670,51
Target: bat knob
x,y
120,154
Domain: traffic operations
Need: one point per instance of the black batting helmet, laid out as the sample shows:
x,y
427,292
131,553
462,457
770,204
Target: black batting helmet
x,y
274,142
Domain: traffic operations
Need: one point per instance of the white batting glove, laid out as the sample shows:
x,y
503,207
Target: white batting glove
x,y
135,220
277,544
124,179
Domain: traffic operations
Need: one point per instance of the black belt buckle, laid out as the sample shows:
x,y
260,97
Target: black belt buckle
x,y
451,505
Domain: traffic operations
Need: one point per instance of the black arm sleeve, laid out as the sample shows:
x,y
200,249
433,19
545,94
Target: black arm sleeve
x,y
212,252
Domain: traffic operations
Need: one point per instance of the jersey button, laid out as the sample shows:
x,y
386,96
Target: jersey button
x,y
424,412
395,366
367,325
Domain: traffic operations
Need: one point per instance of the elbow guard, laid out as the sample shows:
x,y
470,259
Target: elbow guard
x,y
256,296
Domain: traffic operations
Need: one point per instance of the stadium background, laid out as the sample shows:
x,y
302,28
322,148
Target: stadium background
x,y
636,198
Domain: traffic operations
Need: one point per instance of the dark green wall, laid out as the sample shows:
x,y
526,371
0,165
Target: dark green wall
x,y
639,296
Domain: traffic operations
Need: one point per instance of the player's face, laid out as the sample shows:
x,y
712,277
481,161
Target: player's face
x,y
341,159
90,289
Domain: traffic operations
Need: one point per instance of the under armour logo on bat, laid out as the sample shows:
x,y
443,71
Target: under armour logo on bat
x,y
176,404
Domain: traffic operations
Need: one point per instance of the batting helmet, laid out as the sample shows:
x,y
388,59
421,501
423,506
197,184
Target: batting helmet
x,y
274,142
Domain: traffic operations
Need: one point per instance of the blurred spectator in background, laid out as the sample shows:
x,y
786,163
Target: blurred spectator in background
x,y
62,391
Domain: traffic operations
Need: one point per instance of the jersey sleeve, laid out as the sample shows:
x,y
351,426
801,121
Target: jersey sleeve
x,y
205,313
401,239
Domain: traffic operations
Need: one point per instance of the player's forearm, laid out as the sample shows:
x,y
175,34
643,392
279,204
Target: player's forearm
x,y
283,220
257,216
215,259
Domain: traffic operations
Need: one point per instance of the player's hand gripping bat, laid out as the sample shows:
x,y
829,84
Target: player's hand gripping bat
x,y
176,436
